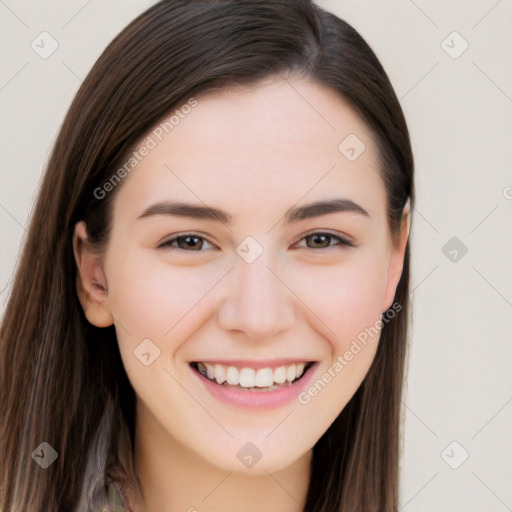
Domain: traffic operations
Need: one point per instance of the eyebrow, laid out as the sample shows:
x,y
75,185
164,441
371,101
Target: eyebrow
x,y
294,214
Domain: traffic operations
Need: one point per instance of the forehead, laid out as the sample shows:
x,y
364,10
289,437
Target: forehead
x,y
252,147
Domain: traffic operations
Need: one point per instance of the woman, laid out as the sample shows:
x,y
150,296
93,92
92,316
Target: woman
x,y
210,311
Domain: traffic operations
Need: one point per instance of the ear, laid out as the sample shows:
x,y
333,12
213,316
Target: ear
x,y
91,285
396,263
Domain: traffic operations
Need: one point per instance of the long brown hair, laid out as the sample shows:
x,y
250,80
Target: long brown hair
x,y
59,374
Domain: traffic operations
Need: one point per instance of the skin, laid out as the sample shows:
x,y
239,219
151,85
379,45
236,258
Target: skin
x,y
254,152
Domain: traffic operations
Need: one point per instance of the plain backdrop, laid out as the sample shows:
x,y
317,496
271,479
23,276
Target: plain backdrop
x,y
449,62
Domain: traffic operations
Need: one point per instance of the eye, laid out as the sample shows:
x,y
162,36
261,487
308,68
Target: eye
x,y
321,240
195,243
187,242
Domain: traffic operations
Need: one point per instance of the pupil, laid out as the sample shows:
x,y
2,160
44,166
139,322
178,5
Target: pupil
x,y
319,238
189,241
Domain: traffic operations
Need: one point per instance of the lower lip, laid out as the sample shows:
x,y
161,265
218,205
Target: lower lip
x,y
256,399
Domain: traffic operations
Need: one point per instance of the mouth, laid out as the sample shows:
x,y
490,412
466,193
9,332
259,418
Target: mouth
x,y
251,379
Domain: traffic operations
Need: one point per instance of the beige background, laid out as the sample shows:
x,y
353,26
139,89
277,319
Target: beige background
x,y
459,113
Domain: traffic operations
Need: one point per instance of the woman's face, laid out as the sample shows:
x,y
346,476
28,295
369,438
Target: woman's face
x,y
290,278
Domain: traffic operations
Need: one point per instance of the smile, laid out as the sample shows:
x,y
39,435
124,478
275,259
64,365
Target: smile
x,y
260,385
255,379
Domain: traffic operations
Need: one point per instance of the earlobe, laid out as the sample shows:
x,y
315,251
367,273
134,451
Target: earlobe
x,y
91,286
396,264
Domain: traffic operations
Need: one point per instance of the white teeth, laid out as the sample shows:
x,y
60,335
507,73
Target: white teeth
x,y
249,377
264,378
220,373
280,375
232,376
210,370
290,373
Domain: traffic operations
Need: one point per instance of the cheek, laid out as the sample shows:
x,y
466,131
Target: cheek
x,y
150,298
349,302
346,298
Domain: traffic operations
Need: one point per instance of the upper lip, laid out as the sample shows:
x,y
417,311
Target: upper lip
x,y
253,363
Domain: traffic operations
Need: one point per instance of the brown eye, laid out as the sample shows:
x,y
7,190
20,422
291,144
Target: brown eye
x,y
325,240
319,241
186,242
189,242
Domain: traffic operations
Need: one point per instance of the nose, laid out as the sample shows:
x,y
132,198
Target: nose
x,y
257,302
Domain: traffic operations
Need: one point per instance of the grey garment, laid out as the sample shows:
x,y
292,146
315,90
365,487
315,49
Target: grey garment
x,y
108,466
108,496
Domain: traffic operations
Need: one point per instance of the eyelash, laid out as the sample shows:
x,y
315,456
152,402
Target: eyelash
x,y
342,241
